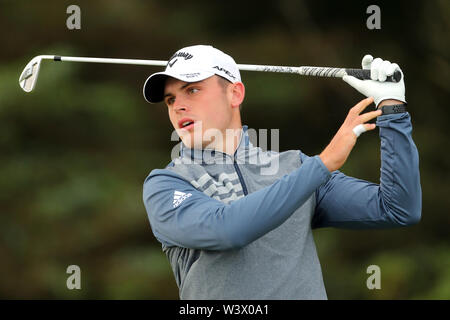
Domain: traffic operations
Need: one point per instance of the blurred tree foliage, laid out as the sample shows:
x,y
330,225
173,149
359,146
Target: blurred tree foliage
x,y
75,152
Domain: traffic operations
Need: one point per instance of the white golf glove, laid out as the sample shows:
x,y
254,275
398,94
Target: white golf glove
x,y
377,88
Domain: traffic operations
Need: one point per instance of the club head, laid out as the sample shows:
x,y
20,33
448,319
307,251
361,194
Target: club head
x,y
28,78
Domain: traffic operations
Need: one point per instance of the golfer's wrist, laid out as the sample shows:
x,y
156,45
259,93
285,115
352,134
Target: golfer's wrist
x,y
327,162
389,102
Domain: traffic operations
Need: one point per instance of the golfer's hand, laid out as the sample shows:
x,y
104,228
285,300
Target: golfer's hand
x,y
337,152
377,87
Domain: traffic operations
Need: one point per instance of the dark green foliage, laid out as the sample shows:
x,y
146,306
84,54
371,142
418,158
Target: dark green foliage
x,y
75,152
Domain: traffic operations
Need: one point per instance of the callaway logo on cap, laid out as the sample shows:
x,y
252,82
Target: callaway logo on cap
x,y
192,64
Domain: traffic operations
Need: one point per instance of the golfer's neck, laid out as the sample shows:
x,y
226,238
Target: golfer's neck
x,y
231,135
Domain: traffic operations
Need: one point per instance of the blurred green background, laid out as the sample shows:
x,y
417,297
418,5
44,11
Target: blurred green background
x,y
75,152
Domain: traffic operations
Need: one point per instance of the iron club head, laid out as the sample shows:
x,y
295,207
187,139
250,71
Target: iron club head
x,y
29,75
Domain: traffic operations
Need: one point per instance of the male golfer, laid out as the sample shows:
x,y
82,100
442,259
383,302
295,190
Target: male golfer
x,y
231,228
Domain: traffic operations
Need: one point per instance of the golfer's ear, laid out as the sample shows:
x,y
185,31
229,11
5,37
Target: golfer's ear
x,y
238,94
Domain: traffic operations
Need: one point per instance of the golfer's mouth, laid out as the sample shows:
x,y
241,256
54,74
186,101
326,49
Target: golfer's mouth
x,y
186,124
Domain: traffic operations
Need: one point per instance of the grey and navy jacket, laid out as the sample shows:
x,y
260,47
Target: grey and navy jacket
x,y
240,226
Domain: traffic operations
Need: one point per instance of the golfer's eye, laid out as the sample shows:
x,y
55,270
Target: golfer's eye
x,y
192,90
170,101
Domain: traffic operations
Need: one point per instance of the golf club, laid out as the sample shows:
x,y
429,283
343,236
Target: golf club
x,y
29,75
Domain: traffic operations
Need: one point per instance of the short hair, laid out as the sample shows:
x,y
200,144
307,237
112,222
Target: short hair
x,y
224,83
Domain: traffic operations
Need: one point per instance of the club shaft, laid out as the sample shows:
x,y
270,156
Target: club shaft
x,y
112,60
306,71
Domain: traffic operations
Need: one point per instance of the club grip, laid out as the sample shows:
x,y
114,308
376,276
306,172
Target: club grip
x,y
364,74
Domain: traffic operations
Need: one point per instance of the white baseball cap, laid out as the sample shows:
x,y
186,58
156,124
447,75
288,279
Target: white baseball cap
x,y
192,64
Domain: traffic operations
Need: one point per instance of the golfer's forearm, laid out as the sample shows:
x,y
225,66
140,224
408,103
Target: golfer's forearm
x,y
400,177
347,202
201,222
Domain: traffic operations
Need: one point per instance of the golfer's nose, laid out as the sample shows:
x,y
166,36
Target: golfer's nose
x,y
180,106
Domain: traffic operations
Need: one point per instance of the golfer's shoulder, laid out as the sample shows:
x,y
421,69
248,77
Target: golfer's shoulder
x,y
158,176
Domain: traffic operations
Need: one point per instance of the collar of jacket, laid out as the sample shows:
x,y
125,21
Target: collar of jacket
x,y
243,153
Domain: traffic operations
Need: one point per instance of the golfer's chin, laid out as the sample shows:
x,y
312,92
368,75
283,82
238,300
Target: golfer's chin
x,y
197,137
